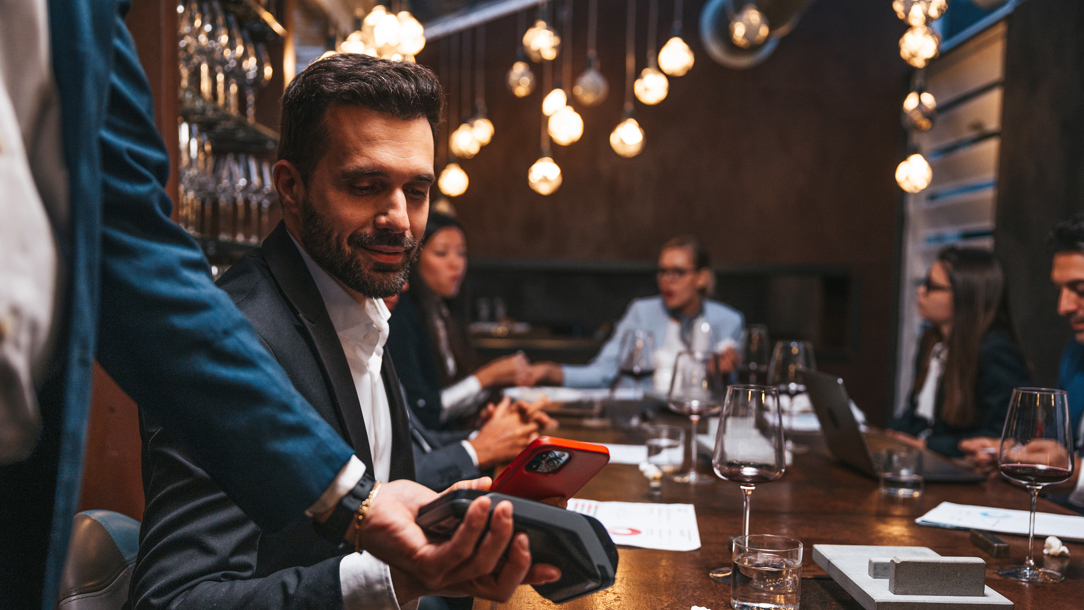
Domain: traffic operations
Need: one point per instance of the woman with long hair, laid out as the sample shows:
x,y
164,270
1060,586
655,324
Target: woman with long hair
x,y
968,361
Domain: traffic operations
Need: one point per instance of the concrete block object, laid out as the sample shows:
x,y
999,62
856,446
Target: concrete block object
x,y
952,576
853,566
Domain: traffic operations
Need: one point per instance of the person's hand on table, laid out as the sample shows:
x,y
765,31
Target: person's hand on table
x,y
536,412
981,453
504,371
907,439
504,434
727,361
460,566
545,373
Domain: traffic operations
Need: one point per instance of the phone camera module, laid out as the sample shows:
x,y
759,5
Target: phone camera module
x,y
547,462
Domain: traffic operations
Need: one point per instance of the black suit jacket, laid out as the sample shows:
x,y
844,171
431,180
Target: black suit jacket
x,y
197,548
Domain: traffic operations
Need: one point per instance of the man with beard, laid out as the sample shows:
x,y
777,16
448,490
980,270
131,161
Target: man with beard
x,y
1067,275
354,172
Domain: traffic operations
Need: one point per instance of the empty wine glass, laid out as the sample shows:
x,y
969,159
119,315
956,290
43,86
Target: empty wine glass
x,y
1036,450
695,390
785,372
636,357
755,354
749,445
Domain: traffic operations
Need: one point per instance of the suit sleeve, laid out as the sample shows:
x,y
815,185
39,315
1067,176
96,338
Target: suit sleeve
x,y
602,370
198,549
444,466
178,346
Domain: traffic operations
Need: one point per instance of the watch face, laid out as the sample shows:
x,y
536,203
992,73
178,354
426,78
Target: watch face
x,y
547,462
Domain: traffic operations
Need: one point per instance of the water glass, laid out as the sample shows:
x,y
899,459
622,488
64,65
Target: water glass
x,y
665,444
901,472
767,573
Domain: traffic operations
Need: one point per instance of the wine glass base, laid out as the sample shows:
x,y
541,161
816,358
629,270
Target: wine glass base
x,y
1026,573
795,448
721,575
693,478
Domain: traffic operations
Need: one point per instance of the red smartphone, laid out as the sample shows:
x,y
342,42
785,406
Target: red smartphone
x,y
551,467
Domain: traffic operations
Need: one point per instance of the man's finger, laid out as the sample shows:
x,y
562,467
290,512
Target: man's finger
x,y
462,543
514,570
485,557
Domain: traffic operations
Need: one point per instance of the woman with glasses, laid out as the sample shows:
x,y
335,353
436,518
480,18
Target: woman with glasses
x,y
968,361
681,317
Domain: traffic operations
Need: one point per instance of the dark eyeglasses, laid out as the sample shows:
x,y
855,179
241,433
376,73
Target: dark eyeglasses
x,y
673,273
931,286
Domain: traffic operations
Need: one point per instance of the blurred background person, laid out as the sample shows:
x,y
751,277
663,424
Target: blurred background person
x,y
675,318
431,347
968,361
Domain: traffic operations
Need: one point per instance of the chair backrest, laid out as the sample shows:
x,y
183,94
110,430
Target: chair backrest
x,y
101,557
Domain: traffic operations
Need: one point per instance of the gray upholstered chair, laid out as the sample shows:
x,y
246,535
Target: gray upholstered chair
x,y
101,557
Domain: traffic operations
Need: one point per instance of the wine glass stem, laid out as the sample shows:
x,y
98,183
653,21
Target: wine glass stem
x,y
747,492
694,420
1034,489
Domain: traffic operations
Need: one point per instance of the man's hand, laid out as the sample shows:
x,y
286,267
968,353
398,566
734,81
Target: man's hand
x,y
981,453
536,412
509,370
503,436
907,439
545,373
459,566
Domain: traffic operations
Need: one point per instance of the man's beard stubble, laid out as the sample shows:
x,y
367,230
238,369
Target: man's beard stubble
x,y
376,281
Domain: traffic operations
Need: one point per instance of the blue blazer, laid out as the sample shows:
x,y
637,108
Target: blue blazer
x,y
139,298
649,314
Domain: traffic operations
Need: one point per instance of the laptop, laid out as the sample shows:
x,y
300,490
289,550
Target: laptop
x,y
848,445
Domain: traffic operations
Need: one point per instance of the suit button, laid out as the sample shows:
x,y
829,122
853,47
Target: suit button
x,y
421,402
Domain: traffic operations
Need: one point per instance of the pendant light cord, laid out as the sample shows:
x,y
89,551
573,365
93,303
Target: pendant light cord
x,y
566,72
652,32
464,110
479,70
630,59
592,27
679,10
547,86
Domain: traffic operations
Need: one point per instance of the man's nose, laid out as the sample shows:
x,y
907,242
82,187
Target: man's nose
x,y
394,216
1068,302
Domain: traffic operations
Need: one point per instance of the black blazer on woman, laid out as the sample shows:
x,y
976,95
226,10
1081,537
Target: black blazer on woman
x,y
1000,369
415,356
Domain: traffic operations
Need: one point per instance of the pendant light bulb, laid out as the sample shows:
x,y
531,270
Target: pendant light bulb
x,y
652,86
914,174
395,37
919,110
453,180
591,87
919,45
676,58
411,35
749,28
565,126
482,129
919,12
544,177
555,100
627,139
541,42
463,144
521,79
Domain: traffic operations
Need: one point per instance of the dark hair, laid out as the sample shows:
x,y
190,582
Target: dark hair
x,y
979,304
1068,235
701,258
404,90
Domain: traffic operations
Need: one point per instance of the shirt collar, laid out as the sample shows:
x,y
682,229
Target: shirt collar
x,y
345,313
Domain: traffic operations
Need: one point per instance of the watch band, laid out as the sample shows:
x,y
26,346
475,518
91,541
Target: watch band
x,y
336,526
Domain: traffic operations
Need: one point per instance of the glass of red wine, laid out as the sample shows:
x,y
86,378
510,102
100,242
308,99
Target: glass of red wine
x,y
636,357
696,389
749,446
1036,450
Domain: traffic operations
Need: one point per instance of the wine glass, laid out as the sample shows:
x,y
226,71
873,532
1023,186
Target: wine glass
x,y
785,372
695,390
636,357
749,446
755,354
1036,450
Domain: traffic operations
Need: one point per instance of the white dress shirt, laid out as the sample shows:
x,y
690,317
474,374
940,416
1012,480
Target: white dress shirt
x,y
362,329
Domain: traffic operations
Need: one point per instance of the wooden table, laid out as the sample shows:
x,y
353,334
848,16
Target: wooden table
x,y
818,502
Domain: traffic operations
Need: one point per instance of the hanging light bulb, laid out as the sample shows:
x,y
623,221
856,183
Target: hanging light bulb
x,y
541,42
411,34
482,130
554,101
627,139
919,110
565,126
919,45
749,28
914,174
521,79
919,12
453,180
652,86
463,143
676,58
544,176
398,37
591,86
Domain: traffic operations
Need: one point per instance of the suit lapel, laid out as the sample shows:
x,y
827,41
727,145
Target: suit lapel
x,y
402,452
300,289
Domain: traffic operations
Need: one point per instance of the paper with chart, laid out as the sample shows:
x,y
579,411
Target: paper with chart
x,y
667,527
1003,520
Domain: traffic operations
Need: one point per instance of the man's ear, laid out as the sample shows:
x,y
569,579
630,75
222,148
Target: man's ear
x,y
291,191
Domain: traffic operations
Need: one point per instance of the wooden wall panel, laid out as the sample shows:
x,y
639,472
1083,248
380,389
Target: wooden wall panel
x,y
788,162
